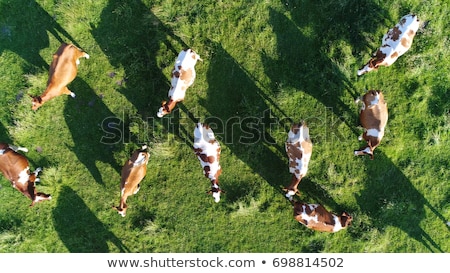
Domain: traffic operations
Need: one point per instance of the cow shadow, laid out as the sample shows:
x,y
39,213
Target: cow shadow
x,y
303,62
85,116
4,134
24,30
238,115
130,35
87,236
391,200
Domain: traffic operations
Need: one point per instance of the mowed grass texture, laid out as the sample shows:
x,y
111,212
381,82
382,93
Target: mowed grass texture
x,y
265,65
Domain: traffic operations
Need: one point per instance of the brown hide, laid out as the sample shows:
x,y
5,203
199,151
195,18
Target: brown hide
x,y
295,151
63,70
373,116
12,166
317,217
133,171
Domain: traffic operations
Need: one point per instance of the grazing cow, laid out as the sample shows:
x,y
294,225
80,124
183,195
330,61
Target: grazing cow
x,y
373,117
183,76
395,43
63,71
16,169
133,171
207,150
298,148
317,217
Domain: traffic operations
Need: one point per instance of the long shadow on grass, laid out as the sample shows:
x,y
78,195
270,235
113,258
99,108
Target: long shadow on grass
x,y
303,45
237,115
4,134
78,228
131,35
24,28
391,200
85,115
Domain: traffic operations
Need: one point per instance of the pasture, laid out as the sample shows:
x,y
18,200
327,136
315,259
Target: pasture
x,y
265,65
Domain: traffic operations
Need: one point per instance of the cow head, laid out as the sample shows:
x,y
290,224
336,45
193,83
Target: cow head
x,y
346,219
36,102
373,64
166,108
215,191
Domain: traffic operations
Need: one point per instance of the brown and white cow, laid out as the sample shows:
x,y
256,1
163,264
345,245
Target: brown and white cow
x,y
207,150
133,171
183,76
16,169
395,43
373,117
317,217
63,70
299,149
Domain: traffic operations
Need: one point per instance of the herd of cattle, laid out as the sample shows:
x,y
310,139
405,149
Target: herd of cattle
x,y
373,118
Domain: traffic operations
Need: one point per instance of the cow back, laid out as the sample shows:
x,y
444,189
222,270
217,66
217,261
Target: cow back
x,y
207,150
11,163
135,168
374,112
63,68
298,148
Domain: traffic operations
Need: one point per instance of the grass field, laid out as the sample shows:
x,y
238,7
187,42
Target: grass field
x,y
265,65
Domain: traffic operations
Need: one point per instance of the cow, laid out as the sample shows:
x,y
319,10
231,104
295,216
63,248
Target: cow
x,y
63,70
317,217
207,150
183,76
395,43
133,171
15,167
373,117
299,149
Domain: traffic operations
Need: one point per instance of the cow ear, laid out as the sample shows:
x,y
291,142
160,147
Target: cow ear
x,y
163,102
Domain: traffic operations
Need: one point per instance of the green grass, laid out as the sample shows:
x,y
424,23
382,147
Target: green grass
x,y
266,64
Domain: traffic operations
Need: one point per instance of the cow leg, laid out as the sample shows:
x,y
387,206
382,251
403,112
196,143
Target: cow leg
x,y
138,187
36,173
68,92
18,148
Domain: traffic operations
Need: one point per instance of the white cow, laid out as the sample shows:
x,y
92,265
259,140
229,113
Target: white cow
x,y
207,150
299,149
395,43
183,76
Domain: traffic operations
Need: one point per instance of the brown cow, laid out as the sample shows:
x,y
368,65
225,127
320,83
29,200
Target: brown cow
x,y
394,44
16,169
317,217
207,150
63,70
299,149
133,171
373,117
